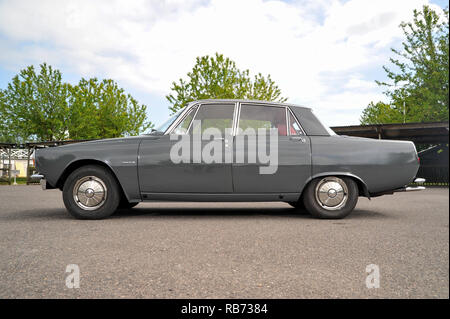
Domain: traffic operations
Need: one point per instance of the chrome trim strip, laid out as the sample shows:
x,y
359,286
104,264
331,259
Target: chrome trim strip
x,y
412,189
238,118
288,127
235,118
193,118
37,176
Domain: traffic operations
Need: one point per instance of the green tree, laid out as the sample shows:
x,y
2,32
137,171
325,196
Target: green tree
x,y
218,78
380,113
419,78
101,109
40,106
34,106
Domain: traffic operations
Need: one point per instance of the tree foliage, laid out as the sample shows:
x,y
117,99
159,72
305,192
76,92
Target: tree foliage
x,y
102,109
40,106
35,104
419,78
380,113
218,78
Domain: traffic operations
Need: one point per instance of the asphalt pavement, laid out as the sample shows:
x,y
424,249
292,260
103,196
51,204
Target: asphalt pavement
x,y
224,250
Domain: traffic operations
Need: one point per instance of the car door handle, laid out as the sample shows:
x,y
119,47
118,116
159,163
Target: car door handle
x,y
298,139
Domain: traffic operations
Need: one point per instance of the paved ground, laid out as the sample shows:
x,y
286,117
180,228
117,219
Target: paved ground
x,y
236,250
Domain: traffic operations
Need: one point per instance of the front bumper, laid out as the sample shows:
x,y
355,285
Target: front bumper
x,y
43,183
42,180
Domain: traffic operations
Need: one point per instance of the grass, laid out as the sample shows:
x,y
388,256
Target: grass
x,y
430,184
19,180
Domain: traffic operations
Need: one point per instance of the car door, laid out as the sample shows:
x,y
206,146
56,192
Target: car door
x,y
163,170
291,154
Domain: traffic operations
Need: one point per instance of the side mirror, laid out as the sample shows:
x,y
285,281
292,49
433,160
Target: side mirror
x,y
155,132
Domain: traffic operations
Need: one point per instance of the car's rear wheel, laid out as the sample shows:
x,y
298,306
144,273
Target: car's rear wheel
x,y
91,192
299,207
331,197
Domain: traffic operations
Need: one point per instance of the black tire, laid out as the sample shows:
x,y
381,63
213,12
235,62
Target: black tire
x,y
124,204
320,210
299,207
110,198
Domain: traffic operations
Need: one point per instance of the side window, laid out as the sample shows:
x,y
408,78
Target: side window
x,y
294,127
262,116
218,116
184,124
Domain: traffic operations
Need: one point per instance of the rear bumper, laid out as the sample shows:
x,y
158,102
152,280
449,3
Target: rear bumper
x,y
418,181
410,189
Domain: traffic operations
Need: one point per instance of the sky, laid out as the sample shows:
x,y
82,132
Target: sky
x,y
324,54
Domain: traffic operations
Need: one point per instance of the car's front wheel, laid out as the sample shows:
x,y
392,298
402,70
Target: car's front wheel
x,y
331,197
91,192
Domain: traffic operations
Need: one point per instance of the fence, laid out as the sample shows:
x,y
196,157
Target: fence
x,y
434,174
10,152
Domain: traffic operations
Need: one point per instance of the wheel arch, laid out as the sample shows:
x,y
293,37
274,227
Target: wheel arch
x,y
84,162
362,187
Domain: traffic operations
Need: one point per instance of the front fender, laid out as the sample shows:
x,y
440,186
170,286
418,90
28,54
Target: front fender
x,y
119,155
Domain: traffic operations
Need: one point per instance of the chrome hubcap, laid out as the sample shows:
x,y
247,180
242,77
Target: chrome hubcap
x,y
89,192
331,193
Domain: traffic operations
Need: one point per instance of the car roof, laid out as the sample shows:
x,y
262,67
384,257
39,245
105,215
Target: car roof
x,y
247,101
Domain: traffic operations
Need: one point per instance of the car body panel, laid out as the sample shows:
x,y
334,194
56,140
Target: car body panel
x,y
158,174
294,169
381,164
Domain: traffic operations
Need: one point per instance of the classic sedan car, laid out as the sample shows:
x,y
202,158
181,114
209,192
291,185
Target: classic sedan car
x,y
312,169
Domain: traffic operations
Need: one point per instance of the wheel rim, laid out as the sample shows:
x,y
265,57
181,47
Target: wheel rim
x,y
331,193
89,193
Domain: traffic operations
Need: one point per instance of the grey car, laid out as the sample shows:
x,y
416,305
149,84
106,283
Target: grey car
x,y
315,170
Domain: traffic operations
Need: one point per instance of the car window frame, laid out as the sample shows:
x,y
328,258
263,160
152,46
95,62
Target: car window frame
x,y
236,115
199,105
263,105
191,109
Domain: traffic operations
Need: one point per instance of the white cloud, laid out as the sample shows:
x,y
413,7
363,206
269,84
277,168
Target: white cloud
x,y
317,51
